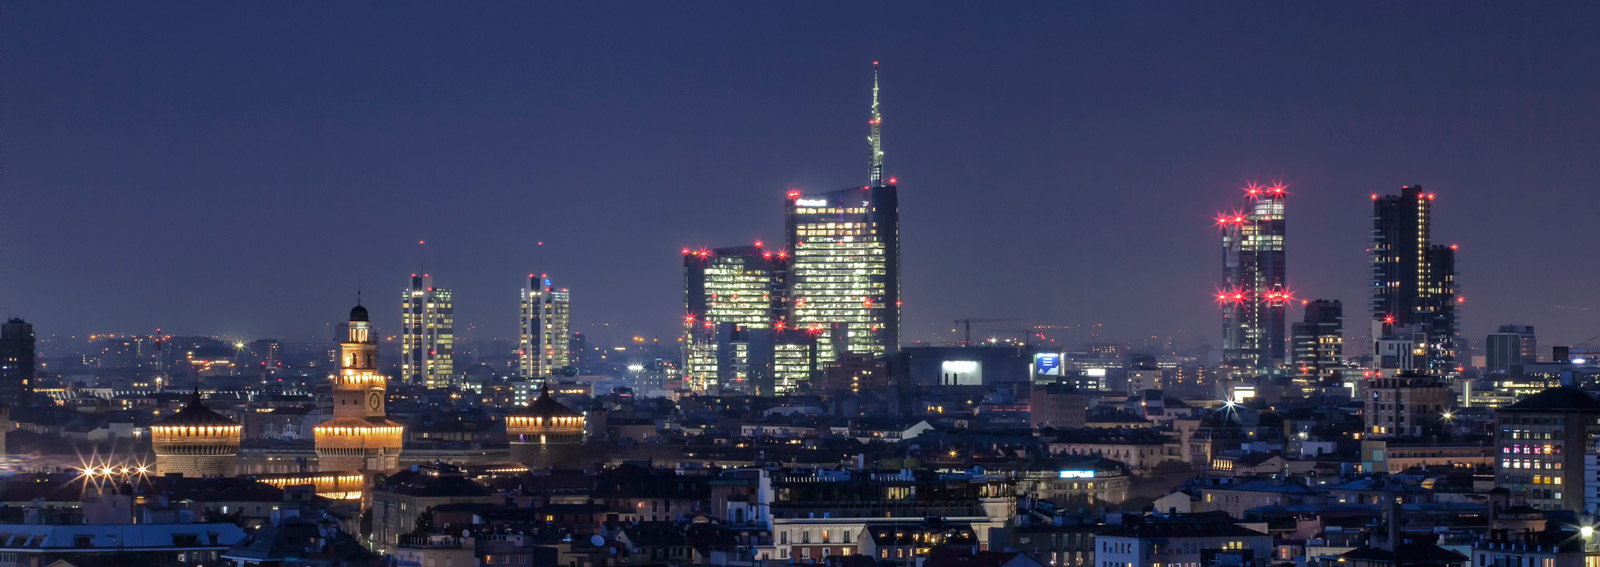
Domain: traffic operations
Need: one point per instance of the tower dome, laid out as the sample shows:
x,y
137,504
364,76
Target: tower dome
x,y
196,441
358,313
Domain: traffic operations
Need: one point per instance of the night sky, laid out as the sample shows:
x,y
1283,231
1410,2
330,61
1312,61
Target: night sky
x,y
242,168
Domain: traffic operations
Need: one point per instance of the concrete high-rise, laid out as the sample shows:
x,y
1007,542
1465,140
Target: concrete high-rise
x,y
1413,280
1255,292
427,333
546,344
1319,343
846,256
16,363
1510,349
360,437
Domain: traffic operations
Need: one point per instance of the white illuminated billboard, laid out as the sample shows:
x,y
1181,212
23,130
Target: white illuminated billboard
x,y
961,373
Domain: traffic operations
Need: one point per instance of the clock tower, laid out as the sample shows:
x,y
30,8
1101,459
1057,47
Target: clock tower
x,y
360,436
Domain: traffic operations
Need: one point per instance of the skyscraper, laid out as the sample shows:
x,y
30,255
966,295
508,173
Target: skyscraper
x,y
846,256
1255,292
360,437
735,307
1413,280
546,345
1319,343
428,333
16,363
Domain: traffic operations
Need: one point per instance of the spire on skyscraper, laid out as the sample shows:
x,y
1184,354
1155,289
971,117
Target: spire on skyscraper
x,y
875,139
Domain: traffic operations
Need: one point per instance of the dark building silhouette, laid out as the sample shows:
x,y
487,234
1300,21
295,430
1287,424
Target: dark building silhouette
x,y
16,363
1413,280
1319,342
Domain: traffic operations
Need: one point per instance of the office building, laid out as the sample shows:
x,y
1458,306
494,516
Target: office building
x,y
736,320
1546,450
360,437
1407,405
546,345
16,363
1510,349
1319,343
196,442
846,257
1413,280
428,334
1255,292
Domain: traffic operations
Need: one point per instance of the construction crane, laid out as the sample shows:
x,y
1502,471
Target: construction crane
x,y
967,323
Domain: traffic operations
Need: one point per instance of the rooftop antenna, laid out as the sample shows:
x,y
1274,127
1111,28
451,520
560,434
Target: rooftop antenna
x,y
422,257
875,138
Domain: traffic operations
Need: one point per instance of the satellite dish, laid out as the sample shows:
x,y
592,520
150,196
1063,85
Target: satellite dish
x,y
613,551
466,533
596,540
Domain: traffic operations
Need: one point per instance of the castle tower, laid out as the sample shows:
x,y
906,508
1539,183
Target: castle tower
x,y
542,429
360,436
196,442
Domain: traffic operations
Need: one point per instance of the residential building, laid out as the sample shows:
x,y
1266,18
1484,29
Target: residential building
x,y
1319,344
16,363
1413,280
1057,406
1406,405
1546,446
1183,540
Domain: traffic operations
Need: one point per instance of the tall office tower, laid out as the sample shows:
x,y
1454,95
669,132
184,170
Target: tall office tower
x,y
1413,280
1319,343
735,307
1511,348
846,248
360,437
546,328
428,333
1546,450
16,363
1255,292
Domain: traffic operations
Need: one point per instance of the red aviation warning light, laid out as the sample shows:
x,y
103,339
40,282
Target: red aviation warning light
x,y
685,253
1388,319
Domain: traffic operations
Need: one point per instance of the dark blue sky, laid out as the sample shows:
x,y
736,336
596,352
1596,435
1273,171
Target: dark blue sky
x,y
242,167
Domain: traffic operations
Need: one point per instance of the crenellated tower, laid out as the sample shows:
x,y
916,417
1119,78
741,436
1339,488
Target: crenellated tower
x,y
360,437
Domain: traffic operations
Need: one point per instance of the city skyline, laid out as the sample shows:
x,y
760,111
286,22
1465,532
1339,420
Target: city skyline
x,y
1057,178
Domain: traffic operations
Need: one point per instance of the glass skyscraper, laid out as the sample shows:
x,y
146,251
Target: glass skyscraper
x,y
428,333
1255,292
546,328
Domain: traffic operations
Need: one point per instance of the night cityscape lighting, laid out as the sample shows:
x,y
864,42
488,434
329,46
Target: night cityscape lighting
x,y
654,315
